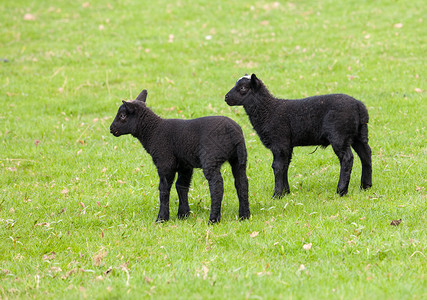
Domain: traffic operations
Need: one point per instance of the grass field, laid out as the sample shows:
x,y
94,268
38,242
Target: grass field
x,y
77,205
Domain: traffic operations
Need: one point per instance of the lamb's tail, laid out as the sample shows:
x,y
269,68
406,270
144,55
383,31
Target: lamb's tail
x,y
363,122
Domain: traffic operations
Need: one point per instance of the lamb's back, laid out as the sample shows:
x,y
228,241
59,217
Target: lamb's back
x,y
189,140
305,118
317,106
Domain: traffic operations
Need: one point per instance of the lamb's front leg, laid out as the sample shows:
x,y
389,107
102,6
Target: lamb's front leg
x,y
182,186
216,188
281,161
166,180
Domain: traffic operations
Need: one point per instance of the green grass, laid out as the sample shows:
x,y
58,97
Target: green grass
x,y
75,201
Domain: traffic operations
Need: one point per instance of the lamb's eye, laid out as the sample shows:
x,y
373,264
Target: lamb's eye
x,y
243,89
122,116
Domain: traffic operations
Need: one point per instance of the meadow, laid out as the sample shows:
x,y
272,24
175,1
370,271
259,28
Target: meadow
x,y
78,205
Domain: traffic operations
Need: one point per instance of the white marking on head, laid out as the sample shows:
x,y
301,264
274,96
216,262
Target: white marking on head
x,y
246,76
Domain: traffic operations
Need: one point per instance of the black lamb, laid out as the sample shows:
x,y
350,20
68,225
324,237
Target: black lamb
x,y
181,145
338,120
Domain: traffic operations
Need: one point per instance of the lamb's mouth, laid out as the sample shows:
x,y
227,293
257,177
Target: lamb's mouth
x,y
114,132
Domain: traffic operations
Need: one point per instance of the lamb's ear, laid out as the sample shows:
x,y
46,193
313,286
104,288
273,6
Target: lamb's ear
x,y
255,84
142,96
129,106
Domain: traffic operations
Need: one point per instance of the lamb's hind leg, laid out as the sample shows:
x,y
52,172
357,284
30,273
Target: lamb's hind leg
x,y
182,186
241,184
345,157
216,188
365,154
281,161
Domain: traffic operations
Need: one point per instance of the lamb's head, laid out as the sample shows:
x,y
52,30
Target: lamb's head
x,y
126,120
245,87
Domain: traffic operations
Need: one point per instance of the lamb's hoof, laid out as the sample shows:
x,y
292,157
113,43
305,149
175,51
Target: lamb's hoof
x,y
183,215
278,195
342,192
244,217
214,220
162,219
244,214
365,186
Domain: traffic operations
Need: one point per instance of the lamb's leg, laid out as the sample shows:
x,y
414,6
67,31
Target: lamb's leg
x,y
241,184
182,186
166,181
365,154
346,161
216,188
281,161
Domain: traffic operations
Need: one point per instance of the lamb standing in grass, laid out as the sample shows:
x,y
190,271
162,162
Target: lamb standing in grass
x,y
181,145
338,120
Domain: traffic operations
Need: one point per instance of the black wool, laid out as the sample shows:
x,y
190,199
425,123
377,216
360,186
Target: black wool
x,y
179,146
337,120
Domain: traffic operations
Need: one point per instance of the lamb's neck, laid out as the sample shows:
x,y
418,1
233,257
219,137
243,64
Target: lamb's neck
x,y
258,111
147,127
